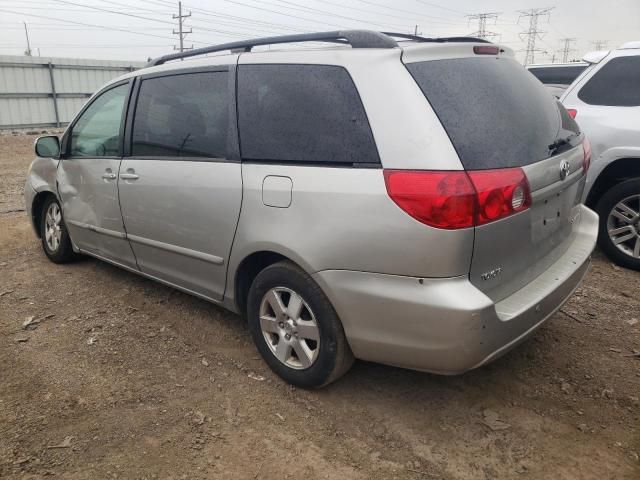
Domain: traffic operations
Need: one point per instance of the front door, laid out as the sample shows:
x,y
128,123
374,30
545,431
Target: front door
x,y
88,178
180,194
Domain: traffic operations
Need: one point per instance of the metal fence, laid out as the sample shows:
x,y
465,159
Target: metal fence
x,y
47,92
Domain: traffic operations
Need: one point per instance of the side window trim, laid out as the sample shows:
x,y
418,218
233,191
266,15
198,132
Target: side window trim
x,y
233,150
66,139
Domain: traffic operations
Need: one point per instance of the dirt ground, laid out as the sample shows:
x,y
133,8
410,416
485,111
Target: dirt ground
x,y
125,378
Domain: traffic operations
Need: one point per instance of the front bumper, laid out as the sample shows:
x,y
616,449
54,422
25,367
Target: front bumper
x,y
29,195
447,325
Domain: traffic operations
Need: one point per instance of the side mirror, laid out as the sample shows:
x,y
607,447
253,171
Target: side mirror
x,y
48,146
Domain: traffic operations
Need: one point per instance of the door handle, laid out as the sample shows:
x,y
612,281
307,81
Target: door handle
x,y
129,176
109,176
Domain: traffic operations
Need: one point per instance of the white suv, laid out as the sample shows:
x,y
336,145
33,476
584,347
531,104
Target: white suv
x,y
605,101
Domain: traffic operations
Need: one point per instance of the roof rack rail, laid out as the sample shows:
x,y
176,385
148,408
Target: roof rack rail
x,y
355,38
418,38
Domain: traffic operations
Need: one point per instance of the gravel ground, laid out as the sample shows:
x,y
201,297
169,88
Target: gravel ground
x,y
119,377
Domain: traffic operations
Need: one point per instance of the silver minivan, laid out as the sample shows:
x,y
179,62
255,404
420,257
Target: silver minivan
x,y
397,199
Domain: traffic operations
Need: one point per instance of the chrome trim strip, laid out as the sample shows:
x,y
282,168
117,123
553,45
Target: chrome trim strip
x,y
175,249
93,228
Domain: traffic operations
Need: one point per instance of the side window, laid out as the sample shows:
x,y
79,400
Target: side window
x,y
616,84
97,131
185,115
302,113
557,75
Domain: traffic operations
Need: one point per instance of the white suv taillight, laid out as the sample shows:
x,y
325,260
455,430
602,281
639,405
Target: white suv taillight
x,y
459,199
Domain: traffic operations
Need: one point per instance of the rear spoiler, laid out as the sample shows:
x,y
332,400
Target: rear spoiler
x,y
595,57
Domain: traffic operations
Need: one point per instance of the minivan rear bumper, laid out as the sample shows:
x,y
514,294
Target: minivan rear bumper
x,y
447,325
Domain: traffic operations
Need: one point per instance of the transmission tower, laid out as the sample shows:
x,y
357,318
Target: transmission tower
x,y
599,45
566,49
532,34
181,31
482,24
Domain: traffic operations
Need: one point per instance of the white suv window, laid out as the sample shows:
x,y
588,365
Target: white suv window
x,y
616,84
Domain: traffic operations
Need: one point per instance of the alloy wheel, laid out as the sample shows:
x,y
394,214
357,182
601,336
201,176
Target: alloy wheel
x,y
289,328
623,225
53,229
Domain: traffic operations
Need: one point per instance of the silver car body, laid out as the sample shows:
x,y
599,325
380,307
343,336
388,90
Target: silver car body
x,y
407,294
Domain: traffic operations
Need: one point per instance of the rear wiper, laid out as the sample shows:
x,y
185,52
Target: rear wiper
x,y
556,146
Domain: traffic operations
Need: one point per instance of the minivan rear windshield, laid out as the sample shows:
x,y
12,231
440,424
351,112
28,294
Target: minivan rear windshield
x,y
496,114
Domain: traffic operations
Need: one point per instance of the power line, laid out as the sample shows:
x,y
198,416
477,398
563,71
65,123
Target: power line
x,y
181,32
440,6
566,49
302,8
413,12
482,24
243,20
599,45
533,34
87,24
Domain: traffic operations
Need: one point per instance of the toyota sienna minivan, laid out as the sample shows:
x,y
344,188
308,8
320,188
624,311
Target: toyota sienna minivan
x,y
397,199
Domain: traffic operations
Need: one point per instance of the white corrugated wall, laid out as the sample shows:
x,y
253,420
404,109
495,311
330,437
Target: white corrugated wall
x,y
26,93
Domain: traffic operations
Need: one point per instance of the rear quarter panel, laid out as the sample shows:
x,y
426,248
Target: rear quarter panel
x,y
343,219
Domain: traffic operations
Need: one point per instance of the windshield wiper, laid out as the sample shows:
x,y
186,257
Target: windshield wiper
x,y
558,145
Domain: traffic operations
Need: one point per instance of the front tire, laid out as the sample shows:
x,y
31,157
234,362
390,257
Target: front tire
x,y
53,232
619,236
295,328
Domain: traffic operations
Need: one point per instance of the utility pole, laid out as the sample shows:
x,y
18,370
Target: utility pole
x,y
566,49
599,45
482,24
415,31
27,52
181,31
532,34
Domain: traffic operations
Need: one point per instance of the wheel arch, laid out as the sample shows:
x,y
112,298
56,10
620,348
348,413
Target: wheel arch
x,y
615,172
36,208
247,270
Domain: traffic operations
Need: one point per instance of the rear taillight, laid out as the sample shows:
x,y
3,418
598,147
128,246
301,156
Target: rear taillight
x,y
572,112
586,160
500,193
440,199
458,199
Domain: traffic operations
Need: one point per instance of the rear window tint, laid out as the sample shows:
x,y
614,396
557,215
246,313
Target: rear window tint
x,y
496,114
184,115
302,113
557,75
616,84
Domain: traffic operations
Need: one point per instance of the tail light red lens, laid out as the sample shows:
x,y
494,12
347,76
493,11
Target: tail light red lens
x,y
586,162
441,199
572,112
500,193
459,199
486,50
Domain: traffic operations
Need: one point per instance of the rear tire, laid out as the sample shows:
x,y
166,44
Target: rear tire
x,y
53,232
295,328
619,235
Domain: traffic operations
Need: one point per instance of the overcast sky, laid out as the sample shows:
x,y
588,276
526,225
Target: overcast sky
x,y
106,28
